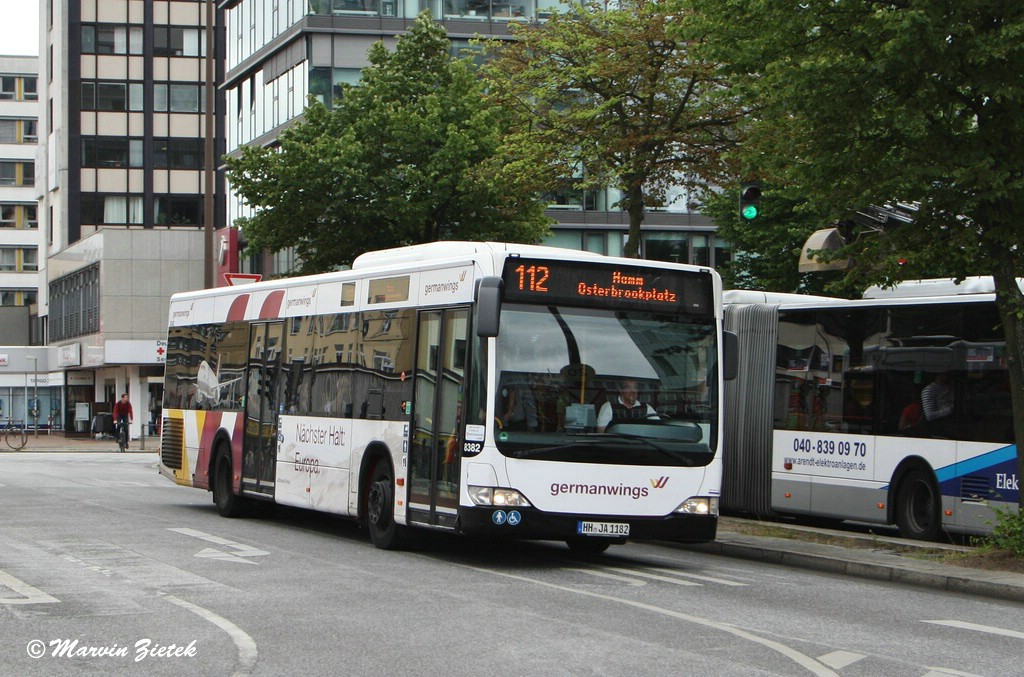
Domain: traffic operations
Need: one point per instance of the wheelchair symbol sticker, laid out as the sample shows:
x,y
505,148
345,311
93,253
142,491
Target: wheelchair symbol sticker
x,y
514,518
499,517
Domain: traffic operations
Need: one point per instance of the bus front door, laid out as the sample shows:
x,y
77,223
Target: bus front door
x,y
266,345
437,417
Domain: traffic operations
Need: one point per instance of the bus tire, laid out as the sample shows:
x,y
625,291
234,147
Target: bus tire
x,y
918,505
385,533
228,504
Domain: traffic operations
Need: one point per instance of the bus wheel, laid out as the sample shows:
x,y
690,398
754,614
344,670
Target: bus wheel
x,y
588,546
917,507
228,504
380,510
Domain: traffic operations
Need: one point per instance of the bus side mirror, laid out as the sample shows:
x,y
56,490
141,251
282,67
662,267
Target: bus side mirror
x,y
488,306
730,355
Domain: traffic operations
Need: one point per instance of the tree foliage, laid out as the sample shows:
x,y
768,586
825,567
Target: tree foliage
x,y
411,154
865,101
612,93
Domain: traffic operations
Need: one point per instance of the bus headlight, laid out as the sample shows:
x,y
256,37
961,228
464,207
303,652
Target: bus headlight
x,y
506,498
699,505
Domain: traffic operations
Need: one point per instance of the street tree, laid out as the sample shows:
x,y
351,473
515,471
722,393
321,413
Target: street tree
x,y
865,102
409,155
608,96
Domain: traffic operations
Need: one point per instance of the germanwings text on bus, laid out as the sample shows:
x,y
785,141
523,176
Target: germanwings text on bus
x,y
608,489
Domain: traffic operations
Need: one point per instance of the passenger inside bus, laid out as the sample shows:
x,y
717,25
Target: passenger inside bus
x,y
520,410
578,387
911,420
937,403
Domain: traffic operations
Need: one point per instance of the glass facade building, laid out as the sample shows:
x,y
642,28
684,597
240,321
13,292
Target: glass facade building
x,y
280,51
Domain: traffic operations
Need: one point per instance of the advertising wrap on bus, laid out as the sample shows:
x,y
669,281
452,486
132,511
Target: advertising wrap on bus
x,y
891,410
462,387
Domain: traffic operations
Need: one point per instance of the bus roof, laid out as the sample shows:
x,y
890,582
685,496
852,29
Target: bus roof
x,y
747,296
433,251
934,290
436,272
946,286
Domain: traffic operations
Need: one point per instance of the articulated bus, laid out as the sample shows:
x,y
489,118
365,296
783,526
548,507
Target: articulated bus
x,y
469,388
836,409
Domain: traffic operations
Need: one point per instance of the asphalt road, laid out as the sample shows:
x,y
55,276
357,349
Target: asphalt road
x,y
107,568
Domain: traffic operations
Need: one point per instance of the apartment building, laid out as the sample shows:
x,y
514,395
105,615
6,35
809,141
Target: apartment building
x,y
19,225
121,180
19,237
280,51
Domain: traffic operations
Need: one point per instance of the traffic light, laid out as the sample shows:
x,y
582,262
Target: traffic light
x,y
750,201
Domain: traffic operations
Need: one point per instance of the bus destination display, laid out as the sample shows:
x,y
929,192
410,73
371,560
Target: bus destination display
x,y
575,283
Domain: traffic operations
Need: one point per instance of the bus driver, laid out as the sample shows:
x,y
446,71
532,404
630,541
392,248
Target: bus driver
x,y
625,408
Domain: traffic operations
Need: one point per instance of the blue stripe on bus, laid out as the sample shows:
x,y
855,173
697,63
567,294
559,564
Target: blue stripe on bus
x,y
978,463
998,467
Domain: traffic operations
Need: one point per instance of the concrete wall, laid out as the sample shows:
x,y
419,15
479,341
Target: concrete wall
x,y
14,325
139,270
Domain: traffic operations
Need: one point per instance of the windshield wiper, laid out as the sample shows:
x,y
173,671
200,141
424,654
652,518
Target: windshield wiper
x,y
588,441
651,444
539,451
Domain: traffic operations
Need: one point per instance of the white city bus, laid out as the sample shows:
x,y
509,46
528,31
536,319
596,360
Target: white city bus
x,y
457,387
829,408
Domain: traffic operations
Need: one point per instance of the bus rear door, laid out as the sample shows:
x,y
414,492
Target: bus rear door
x,y
266,346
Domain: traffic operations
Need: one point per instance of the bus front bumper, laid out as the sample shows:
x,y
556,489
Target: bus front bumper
x,y
529,523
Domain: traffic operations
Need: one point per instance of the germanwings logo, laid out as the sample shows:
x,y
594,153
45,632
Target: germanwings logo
x,y
659,483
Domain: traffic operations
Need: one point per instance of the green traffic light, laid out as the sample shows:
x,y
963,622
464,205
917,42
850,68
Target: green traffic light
x,y
749,212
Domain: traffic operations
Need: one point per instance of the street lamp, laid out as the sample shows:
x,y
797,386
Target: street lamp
x,y
35,390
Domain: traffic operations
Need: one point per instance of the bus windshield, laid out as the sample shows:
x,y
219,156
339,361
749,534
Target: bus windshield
x,y
601,386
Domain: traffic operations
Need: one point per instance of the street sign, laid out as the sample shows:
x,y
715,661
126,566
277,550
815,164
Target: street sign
x,y
233,279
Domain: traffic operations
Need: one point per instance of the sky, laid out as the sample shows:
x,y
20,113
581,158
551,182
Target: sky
x,y
19,27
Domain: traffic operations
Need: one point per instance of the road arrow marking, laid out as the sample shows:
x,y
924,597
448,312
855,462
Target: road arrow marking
x,y
28,594
239,550
837,660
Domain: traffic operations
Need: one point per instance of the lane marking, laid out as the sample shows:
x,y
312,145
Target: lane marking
x,y
239,550
963,625
29,595
709,579
604,574
653,577
247,653
946,672
803,660
840,659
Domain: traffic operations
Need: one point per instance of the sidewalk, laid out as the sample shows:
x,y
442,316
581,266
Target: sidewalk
x,y
56,442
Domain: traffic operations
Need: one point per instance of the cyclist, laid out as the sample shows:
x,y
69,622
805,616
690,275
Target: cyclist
x,y
123,415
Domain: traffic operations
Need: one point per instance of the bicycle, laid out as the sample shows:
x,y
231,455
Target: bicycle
x,y
15,435
122,435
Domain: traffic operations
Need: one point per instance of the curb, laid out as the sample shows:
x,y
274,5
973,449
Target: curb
x,y
869,564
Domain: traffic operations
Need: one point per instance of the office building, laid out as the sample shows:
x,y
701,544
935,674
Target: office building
x,y
122,184
280,52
